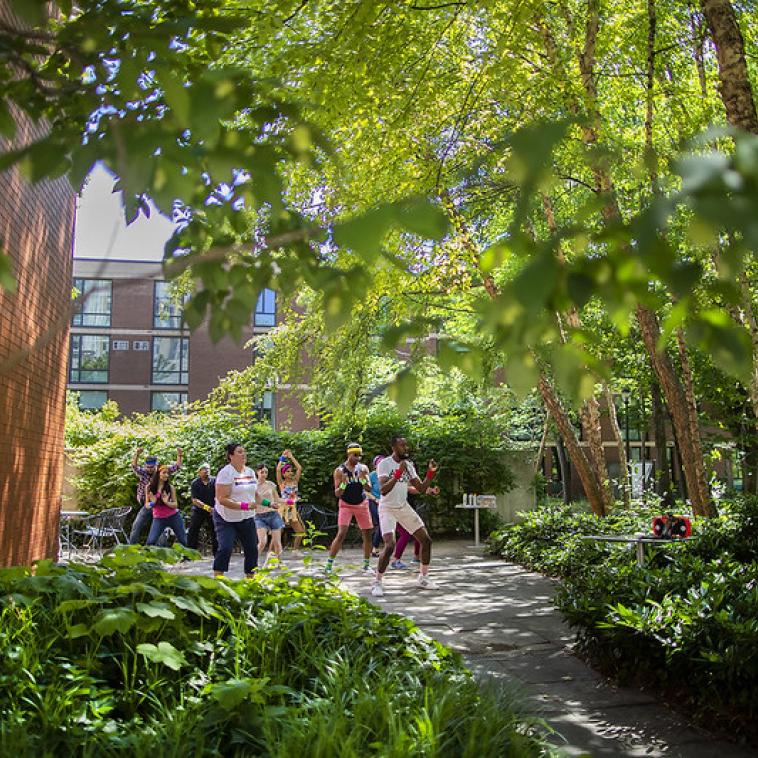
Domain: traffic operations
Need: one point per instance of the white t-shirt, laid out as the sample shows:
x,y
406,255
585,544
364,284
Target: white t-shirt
x,y
398,495
243,491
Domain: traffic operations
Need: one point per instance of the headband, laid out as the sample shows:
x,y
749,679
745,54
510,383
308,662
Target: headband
x,y
355,450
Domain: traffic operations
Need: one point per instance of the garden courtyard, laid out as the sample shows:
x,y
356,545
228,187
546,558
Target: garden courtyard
x,y
353,277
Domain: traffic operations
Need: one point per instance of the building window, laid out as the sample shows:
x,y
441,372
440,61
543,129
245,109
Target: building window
x,y
167,401
265,309
89,358
92,400
265,409
166,313
93,302
170,360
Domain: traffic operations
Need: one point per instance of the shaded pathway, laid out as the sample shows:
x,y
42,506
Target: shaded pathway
x,y
500,617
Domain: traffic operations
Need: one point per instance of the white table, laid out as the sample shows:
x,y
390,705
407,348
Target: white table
x,y
64,540
478,503
638,540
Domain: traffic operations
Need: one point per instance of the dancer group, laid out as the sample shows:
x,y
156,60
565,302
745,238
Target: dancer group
x,y
242,503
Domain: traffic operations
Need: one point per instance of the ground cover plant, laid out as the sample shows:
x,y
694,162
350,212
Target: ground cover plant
x,y
686,622
122,658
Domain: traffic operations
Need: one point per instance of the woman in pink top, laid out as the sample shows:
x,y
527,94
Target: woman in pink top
x,y
161,498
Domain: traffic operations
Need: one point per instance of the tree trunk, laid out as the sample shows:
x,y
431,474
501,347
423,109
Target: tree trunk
x,y
698,43
689,443
538,464
565,469
670,384
587,476
734,82
676,464
591,481
624,480
663,477
589,413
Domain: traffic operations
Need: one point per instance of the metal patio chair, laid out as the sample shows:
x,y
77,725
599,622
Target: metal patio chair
x,y
101,527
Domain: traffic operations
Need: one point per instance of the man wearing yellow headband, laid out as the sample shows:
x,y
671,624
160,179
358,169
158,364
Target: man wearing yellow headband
x,y
351,483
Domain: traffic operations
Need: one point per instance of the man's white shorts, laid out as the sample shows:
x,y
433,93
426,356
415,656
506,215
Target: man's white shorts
x,y
391,515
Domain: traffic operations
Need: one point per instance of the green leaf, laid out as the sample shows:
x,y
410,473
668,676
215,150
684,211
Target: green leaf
x,y
114,620
188,604
163,652
7,122
78,630
156,610
424,218
34,12
176,94
231,693
7,279
403,390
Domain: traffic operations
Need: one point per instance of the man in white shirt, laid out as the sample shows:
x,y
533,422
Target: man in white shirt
x,y
396,473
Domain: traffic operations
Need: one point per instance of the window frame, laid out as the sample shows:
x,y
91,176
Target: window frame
x,y
78,338
270,315
184,350
180,402
80,314
94,410
157,318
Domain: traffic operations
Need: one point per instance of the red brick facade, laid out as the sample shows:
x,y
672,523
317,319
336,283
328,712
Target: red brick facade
x,y
130,379
36,228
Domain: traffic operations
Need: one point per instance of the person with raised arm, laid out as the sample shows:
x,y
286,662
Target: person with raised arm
x,y
396,474
351,486
145,473
288,473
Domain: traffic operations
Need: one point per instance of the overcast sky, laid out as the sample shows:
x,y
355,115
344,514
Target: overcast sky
x,y
101,231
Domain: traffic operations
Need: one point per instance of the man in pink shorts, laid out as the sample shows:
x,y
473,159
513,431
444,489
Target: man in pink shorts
x,y
351,483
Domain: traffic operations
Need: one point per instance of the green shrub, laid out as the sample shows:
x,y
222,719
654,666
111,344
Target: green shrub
x,y
686,622
467,447
122,658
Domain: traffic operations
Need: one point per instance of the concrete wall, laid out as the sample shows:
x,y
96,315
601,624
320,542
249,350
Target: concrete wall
x,y
522,497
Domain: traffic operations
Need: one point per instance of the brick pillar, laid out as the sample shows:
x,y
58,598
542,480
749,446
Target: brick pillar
x,y
36,229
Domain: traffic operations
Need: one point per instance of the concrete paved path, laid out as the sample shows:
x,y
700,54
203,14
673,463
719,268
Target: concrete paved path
x,y
501,619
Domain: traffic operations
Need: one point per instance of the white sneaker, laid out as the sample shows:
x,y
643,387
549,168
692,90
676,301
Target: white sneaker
x,y
425,583
376,589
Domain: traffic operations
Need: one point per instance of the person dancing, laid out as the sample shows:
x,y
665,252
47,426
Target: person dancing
x,y
351,485
396,474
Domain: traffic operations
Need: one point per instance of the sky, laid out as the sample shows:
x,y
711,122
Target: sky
x,y
101,231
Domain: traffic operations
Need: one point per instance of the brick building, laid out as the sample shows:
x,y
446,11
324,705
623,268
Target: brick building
x,y
36,229
129,344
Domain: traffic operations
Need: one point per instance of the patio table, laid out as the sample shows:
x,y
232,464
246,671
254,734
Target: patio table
x,y
638,540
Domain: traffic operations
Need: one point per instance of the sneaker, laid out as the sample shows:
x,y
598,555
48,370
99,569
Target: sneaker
x,y
376,589
367,568
398,564
415,560
424,583
167,538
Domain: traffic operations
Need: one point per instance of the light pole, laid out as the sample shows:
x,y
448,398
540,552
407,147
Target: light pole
x,y
643,452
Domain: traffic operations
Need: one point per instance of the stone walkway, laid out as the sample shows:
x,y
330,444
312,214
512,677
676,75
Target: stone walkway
x,y
501,619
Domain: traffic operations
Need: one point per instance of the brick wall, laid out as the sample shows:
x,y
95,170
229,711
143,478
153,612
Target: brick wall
x,y
36,227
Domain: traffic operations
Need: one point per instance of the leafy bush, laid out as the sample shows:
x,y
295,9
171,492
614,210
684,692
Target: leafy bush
x,y
468,448
686,622
122,658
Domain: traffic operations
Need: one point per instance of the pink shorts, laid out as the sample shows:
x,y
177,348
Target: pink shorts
x,y
361,512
